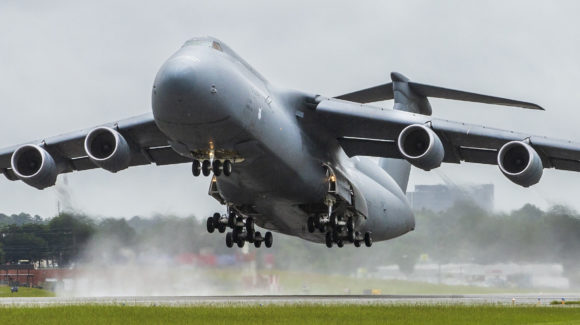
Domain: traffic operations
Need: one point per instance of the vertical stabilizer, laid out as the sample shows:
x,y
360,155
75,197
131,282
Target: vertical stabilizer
x,y
409,101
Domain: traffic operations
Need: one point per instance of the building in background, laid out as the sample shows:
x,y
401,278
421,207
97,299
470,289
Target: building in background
x,y
441,197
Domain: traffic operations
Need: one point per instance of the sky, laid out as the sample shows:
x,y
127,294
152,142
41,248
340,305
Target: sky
x,y
68,65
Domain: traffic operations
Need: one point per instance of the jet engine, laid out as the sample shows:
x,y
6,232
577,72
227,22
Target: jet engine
x,y
420,146
34,166
108,149
520,163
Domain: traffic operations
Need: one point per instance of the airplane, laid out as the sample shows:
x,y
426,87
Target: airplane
x,y
289,161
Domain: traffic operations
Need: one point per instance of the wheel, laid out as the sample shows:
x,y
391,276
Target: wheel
x,y
333,220
231,219
258,237
206,168
356,243
257,243
350,224
368,239
251,236
351,236
329,239
235,235
229,239
311,225
339,243
221,228
268,239
250,224
241,243
227,168
196,168
210,225
216,218
216,167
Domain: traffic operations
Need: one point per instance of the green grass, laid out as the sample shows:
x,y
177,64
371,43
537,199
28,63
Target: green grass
x,y
296,314
24,292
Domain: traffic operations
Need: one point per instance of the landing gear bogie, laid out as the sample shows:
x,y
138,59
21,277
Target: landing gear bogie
x,y
243,230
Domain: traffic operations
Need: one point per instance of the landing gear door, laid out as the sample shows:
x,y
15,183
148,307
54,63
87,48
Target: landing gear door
x,y
360,203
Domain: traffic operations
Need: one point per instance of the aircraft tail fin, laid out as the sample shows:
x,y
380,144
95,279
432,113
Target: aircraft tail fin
x,y
412,97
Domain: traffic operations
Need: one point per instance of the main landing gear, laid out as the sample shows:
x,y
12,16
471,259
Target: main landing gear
x,y
206,167
339,230
243,230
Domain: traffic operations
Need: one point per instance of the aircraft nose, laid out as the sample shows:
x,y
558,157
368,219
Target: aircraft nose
x,y
176,81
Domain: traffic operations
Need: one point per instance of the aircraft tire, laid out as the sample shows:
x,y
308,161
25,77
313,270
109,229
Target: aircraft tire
x,y
232,219
227,168
350,224
311,225
221,228
351,236
216,167
250,224
251,237
206,168
241,243
329,239
229,239
268,239
339,243
216,218
368,239
257,243
333,221
196,168
356,243
210,225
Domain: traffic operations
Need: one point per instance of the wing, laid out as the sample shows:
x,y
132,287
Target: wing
x,y
370,131
146,143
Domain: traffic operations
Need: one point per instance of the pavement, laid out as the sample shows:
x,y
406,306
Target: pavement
x,y
503,299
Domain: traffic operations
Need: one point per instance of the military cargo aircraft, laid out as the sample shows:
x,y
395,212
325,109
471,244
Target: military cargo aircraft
x,y
289,161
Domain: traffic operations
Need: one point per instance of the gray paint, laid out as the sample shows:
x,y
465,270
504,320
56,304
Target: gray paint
x,y
209,99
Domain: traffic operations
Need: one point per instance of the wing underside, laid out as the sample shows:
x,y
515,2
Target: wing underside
x,y
371,131
148,145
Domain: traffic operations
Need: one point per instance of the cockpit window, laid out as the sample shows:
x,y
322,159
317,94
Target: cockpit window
x,y
204,42
217,46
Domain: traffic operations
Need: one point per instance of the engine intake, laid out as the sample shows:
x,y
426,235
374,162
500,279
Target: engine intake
x,y
108,149
34,166
421,147
520,163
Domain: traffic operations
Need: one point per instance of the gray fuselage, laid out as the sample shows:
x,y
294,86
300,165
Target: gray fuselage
x,y
212,104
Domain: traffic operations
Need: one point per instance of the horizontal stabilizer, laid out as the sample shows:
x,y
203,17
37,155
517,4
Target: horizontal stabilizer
x,y
440,92
385,92
369,95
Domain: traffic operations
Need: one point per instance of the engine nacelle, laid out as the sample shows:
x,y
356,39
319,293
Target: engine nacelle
x,y
520,163
34,166
108,149
421,147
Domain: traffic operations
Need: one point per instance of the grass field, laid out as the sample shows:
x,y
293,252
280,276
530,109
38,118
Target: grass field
x,y
24,292
301,314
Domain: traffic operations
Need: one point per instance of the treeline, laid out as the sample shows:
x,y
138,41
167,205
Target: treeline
x,y
462,234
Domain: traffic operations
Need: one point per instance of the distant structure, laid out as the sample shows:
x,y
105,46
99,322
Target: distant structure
x,y
441,197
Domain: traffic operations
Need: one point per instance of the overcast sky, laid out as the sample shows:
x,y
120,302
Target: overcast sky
x,y
67,65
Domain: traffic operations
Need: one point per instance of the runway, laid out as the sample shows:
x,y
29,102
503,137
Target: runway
x,y
503,299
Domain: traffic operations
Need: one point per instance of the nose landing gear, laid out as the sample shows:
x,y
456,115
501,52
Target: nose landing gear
x,y
206,167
